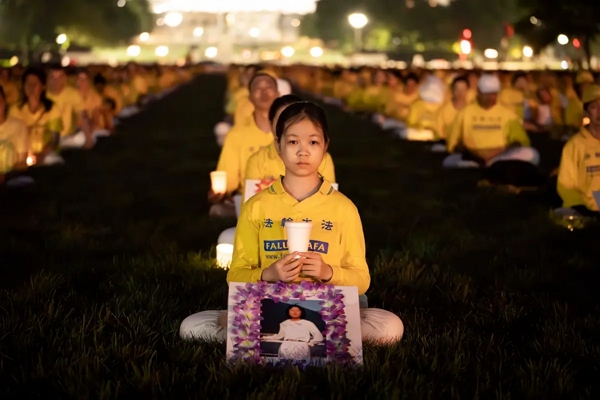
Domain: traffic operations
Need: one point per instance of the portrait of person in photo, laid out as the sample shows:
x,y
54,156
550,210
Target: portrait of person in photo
x,y
298,337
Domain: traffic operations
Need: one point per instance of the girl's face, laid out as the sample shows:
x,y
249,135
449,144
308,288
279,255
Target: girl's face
x,y
295,313
302,148
83,82
33,87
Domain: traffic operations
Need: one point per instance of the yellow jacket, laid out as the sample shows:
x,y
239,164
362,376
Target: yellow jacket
x,y
579,172
42,124
480,129
337,234
241,142
445,116
423,115
266,164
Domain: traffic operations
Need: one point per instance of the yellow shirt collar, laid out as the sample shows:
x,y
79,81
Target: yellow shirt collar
x,y
277,188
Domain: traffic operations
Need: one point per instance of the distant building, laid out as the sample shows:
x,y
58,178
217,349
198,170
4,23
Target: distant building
x,y
224,23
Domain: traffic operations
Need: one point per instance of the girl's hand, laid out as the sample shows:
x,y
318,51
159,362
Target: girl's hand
x,y
286,270
313,266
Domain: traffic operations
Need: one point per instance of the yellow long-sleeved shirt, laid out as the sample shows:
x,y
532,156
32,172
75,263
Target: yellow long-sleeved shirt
x,y
398,105
445,116
579,172
42,123
513,99
14,142
68,99
337,234
11,91
574,113
480,129
241,142
423,115
266,164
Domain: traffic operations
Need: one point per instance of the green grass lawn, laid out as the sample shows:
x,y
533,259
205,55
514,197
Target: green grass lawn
x,y
108,255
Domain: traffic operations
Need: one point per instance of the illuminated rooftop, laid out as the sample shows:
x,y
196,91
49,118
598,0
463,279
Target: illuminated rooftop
x,y
300,7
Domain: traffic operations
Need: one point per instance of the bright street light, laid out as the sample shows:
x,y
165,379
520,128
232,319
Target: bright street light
x,y
287,51
133,51
198,31
564,64
161,51
527,51
465,47
491,53
211,52
144,36
254,32
61,39
562,39
121,3
316,52
358,21
173,19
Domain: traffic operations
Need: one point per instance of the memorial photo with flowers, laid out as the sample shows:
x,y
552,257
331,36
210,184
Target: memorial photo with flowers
x,y
303,323
292,330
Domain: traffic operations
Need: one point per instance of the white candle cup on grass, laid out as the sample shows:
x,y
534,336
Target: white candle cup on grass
x,y
224,255
218,180
298,236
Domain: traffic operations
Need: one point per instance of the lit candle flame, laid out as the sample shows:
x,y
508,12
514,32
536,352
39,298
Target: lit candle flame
x,y
30,160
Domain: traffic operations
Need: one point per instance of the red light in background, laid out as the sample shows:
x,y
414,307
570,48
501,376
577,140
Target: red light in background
x,y
467,34
576,43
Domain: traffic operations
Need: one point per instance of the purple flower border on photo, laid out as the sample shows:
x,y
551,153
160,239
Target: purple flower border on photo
x,y
246,324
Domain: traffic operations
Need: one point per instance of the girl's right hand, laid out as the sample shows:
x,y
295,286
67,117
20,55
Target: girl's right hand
x,y
286,269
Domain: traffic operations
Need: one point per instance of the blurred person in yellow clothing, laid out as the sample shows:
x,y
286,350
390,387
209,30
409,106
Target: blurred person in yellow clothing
x,y
266,164
398,104
14,140
579,173
486,132
336,252
473,77
244,140
539,117
574,114
44,118
108,91
516,96
375,92
64,96
448,112
92,101
421,123
11,90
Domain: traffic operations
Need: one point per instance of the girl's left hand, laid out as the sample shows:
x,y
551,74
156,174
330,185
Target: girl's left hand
x,y
313,266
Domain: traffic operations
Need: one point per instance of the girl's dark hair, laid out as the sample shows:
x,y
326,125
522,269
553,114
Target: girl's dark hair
x,y
297,112
411,76
281,102
461,78
41,75
302,311
518,75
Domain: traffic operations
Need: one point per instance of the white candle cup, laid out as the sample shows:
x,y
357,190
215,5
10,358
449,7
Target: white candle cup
x,y
224,255
298,236
218,180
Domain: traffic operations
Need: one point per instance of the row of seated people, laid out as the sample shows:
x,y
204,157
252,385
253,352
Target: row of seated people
x,y
43,110
471,119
